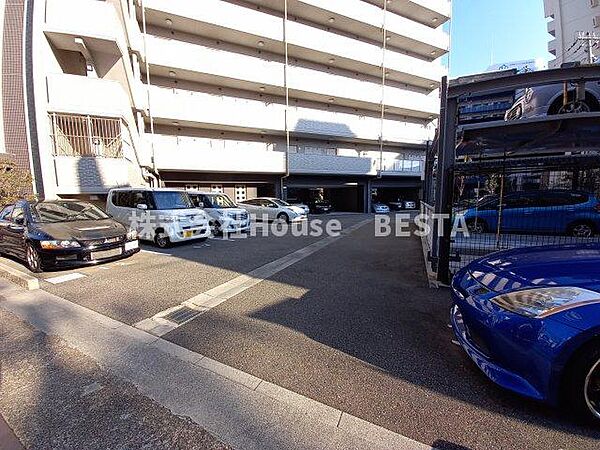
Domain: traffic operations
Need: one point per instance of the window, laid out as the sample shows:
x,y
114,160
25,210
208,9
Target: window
x,y
240,192
191,187
138,197
172,200
63,211
218,188
5,213
123,199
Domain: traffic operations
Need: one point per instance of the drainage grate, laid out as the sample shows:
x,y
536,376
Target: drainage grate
x,y
181,315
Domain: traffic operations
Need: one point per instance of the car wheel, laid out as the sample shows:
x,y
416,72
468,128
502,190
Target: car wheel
x,y
574,108
477,226
582,230
582,388
34,262
162,240
217,230
283,217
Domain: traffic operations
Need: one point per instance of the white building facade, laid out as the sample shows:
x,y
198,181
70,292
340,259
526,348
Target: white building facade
x,y
261,97
566,19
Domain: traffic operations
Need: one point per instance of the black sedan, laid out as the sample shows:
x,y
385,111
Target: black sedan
x,y
318,206
62,234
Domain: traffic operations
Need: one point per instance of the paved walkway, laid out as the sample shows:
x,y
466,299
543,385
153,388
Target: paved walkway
x,y
242,410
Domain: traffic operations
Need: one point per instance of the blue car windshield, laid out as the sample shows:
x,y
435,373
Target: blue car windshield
x,y
57,211
172,200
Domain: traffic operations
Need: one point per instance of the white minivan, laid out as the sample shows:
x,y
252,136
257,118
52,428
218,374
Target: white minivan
x,y
225,215
161,215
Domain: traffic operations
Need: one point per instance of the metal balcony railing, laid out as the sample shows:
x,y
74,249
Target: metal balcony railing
x,y
86,136
403,165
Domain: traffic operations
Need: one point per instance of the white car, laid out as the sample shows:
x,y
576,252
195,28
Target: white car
x,y
273,209
161,215
225,215
303,207
380,208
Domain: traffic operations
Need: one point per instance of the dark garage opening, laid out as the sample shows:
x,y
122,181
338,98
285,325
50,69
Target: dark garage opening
x,y
343,199
394,194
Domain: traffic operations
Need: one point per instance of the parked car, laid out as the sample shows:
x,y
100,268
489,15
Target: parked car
x,y
320,206
225,215
302,206
273,209
63,233
161,215
549,100
380,208
530,320
401,204
548,211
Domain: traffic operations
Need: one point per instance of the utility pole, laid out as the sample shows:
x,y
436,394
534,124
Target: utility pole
x,y
590,40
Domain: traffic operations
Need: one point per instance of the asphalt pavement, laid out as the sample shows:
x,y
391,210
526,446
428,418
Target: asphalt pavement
x,y
354,326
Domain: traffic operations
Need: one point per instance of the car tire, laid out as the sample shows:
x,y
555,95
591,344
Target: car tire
x,y
283,217
161,239
581,390
582,230
33,259
477,226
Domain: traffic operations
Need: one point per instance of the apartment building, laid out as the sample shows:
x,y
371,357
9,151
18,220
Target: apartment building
x,y
566,19
263,97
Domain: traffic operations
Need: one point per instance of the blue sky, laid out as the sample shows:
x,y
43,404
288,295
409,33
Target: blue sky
x,y
488,32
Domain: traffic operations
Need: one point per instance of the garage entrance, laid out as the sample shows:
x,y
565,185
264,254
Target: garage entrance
x,y
344,193
343,199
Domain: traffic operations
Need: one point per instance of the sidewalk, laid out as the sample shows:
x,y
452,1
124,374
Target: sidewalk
x,y
55,397
8,440
93,382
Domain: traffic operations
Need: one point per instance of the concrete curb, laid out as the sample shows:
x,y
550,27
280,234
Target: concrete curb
x,y
22,279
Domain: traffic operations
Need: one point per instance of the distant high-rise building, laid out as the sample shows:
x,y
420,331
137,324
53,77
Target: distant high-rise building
x,y
567,18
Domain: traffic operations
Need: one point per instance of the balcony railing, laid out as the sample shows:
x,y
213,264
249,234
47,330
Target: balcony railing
x,y
88,136
403,165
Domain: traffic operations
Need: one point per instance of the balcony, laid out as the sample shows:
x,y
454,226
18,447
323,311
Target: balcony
x,y
428,12
366,20
208,65
403,167
85,175
216,155
244,26
95,20
201,110
325,165
82,95
302,163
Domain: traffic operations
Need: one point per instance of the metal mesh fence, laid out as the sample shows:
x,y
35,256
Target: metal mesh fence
x,y
507,205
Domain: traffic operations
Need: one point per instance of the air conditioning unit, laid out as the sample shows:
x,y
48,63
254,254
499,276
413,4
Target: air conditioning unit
x,y
596,21
594,3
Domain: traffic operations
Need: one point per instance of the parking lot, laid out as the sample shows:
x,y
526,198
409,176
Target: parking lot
x,y
348,321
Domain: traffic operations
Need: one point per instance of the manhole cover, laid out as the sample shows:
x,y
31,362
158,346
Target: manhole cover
x,y
181,315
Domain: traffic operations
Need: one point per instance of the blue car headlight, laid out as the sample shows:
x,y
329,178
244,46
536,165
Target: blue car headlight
x,y
539,303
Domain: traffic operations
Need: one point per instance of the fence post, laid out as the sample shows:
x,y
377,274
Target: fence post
x,y
445,182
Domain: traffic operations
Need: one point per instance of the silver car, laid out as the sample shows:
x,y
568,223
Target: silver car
x,y
271,208
549,100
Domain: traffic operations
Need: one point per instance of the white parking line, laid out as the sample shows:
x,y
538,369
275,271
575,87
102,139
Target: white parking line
x,y
159,326
64,278
155,253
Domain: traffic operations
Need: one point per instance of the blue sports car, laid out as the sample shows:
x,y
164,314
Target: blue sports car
x,y
530,319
